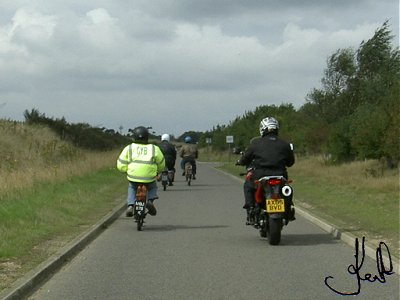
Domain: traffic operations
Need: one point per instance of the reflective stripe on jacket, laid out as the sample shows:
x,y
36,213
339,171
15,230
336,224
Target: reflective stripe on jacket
x,y
141,162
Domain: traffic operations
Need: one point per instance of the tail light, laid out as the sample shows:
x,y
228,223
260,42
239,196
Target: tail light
x,y
274,181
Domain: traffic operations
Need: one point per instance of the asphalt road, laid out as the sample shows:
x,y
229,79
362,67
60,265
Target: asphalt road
x,y
198,247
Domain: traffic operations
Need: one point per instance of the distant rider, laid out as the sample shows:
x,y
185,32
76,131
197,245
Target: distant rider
x,y
141,161
189,153
169,153
269,155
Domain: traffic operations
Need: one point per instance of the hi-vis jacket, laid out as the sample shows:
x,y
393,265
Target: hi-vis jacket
x,y
141,162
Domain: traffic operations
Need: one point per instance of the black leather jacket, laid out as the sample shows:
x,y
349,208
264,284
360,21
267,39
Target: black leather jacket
x,y
169,152
269,155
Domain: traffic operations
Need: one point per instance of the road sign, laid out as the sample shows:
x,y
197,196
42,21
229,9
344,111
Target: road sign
x,y
229,139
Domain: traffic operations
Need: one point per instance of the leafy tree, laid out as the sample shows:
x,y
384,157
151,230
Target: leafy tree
x,y
378,66
339,143
335,100
367,128
360,95
33,116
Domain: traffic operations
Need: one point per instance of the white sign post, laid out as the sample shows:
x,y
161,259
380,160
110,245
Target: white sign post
x,y
208,142
229,140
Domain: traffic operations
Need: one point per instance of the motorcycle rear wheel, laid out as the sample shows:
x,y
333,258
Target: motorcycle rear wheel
x,y
274,231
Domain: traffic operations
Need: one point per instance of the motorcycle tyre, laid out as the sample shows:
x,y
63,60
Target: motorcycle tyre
x,y
274,230
139,223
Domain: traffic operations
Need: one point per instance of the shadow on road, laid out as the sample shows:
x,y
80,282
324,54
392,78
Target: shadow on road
x,y
306,239
180,227
189,189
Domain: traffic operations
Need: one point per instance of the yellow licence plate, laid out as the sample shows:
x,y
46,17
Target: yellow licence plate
x,y
275,205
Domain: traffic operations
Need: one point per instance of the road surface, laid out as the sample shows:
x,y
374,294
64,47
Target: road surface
x,y
198,247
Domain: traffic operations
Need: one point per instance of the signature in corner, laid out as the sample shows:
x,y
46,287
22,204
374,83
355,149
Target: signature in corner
x,y
355,269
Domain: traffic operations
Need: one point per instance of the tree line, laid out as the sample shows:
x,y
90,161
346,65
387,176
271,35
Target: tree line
x,y
81,135
354,115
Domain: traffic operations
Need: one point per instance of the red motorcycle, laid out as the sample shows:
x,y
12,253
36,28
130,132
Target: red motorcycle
x,y
273,206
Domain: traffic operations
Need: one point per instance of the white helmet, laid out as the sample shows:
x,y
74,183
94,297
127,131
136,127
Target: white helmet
x,y
268,124
165,137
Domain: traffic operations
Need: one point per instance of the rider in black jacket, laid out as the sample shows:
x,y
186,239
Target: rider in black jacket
x,y
169,152
268,154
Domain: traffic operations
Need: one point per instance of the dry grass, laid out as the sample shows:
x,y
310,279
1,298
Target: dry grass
x,y
370,174
359,197
34,154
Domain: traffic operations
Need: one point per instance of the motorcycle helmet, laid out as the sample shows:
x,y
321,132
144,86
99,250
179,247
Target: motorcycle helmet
x,y
140,135
188,139
268,124
165,137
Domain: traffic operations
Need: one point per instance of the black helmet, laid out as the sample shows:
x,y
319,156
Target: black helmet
x,y
140,134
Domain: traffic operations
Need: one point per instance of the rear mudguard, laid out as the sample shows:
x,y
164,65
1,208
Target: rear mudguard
x,y
275,216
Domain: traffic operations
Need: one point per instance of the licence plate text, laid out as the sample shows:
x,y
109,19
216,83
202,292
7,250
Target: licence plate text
x,y
275,205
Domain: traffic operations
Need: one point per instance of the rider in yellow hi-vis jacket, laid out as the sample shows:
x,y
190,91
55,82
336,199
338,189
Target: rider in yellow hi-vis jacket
x,y
141,162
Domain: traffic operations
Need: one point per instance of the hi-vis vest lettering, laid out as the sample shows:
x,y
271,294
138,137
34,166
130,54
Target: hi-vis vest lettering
x,y
141,150
141,154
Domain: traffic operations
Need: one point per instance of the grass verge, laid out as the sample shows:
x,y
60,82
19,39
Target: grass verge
x,y
347,197
37,222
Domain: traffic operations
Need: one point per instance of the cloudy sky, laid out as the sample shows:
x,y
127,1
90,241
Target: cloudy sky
x,y
175,65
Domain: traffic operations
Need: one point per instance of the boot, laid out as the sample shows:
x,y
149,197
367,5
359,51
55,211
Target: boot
x,y
250,216
291,214
129,211
152,209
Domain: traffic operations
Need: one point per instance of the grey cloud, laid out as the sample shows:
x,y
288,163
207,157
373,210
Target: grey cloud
x,y
103,61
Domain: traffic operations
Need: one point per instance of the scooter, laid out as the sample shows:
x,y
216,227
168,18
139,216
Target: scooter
x,y
164,179
140,207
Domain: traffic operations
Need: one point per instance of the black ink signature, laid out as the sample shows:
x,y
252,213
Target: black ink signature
x,y
355,269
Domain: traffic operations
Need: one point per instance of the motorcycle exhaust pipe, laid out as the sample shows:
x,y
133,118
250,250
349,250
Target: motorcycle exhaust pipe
x,y
286,191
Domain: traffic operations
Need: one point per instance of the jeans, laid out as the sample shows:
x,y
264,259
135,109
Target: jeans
x,y
151,192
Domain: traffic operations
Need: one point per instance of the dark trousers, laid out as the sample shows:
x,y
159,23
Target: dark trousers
x,y
249,190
